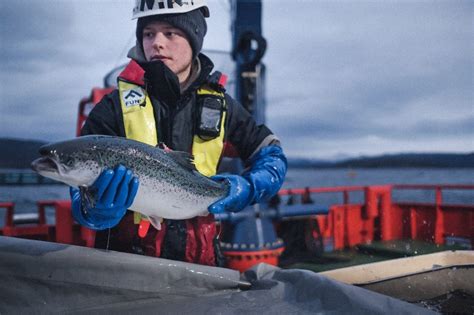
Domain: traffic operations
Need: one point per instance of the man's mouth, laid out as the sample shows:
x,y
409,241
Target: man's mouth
x,y
162,58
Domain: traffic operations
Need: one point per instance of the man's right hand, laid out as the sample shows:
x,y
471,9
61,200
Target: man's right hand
x,y
116,190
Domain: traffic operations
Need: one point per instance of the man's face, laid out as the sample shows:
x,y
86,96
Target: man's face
x,y
164,42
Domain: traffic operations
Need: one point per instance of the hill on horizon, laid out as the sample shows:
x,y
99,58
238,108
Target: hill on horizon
x,y
18,153
399,160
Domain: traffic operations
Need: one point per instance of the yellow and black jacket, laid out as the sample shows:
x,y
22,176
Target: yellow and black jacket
x,y
175,123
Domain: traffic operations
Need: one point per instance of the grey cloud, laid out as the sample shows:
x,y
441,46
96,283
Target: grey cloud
x,y
361,70
440,127
48,66
345,125
33,33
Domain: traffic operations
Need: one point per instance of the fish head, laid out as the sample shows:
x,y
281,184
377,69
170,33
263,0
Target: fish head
x,y
74,162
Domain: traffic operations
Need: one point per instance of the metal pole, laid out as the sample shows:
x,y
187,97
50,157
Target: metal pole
x,y
247,50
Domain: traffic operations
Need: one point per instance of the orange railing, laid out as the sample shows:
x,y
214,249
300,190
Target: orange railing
x,y
64,230
378,217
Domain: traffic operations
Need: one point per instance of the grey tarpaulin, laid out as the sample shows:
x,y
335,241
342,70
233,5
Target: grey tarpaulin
x,y
42,277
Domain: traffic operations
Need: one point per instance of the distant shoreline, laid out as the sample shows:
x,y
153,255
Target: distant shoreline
x,y
377,167
402,160
18,154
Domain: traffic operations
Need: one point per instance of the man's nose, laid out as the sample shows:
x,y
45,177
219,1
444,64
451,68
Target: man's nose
x,y
159,41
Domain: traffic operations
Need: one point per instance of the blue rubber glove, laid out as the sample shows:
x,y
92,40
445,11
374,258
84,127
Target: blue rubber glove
x,y
260,183
239,195
114,192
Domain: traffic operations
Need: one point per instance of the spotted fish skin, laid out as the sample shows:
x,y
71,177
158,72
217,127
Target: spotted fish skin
x,y
169,188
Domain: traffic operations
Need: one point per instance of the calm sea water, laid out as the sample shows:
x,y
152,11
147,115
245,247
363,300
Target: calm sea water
x,y
300,178
25,197
349,177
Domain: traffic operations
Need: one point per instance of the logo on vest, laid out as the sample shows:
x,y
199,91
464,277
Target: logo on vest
x,y
133,97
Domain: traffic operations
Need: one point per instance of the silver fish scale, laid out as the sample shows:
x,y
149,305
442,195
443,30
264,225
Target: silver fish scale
x,y
153,165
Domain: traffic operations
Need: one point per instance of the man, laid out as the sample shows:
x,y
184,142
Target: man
x,y
167,94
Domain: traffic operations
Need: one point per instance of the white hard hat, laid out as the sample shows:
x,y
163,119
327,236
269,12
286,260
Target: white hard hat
x,y
155,7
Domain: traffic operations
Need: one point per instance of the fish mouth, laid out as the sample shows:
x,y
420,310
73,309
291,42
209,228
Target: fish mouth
x,y
45,164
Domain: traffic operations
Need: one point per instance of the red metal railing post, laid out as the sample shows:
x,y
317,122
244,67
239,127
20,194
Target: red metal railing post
x,y
346,218
42,204
64,222
372,195
387,226
337,217
369,201
88,236
439,226
10,210
8,228
378,203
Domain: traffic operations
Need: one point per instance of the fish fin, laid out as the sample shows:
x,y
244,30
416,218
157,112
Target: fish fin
x,y
204,214
164,147
184,159
156,222
88,196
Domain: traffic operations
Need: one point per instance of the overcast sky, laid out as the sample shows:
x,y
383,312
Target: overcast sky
x,y
343,77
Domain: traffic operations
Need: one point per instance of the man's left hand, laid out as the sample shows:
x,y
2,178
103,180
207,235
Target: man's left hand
x,y
262,181
239,195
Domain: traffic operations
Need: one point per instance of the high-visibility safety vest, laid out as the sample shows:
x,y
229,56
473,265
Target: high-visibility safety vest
x,y
140,125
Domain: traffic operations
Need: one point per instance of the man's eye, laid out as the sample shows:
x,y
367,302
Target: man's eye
x,y
170,34
148,34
